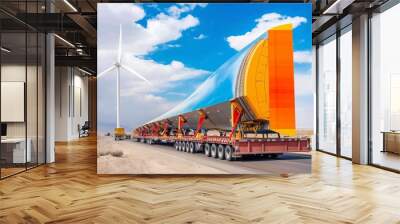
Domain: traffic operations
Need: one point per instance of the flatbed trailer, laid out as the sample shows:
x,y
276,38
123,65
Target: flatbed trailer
x,y
222,147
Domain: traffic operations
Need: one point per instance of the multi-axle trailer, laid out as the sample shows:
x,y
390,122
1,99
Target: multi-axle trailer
x,y
246,107
224,148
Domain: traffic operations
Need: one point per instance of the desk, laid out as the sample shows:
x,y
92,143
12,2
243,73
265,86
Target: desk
x,y
15,148
391,141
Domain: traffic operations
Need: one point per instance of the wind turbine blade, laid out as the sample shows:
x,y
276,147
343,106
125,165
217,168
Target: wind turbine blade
x,y
106,71
136,74
120,44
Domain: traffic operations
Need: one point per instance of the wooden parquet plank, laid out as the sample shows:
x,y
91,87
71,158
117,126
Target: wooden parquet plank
x,y
70,191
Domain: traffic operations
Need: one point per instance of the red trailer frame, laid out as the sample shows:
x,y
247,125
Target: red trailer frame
x,y
223,147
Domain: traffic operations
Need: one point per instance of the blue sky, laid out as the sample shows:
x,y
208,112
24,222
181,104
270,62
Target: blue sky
x,y
177,46
218,21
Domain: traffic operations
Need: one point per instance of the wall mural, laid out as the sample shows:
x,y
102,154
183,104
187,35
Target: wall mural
x,y
197,88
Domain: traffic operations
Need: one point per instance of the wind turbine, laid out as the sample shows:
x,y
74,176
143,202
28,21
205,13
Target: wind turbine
x,y
118,65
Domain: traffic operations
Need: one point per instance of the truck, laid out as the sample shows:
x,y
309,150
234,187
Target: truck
x,y
246,107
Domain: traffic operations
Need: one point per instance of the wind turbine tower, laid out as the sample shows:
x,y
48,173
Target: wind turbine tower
x,y
119,132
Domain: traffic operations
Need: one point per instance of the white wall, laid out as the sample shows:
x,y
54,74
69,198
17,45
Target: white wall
x,y
33,126
12,73
62,82
71,102
9,73
81,103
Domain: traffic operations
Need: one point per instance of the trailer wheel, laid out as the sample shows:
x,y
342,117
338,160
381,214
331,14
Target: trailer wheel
x,y
199,147
221,152
214,153
207,150
191,147
228,153
183,145
275,155
180,146
177,146
187,147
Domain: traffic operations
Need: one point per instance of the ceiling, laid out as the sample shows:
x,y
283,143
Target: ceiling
x,y
75,23
332,15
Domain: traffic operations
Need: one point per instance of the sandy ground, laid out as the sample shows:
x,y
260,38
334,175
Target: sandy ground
x,y
139,158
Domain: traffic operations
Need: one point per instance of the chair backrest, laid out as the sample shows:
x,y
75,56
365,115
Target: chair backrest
x,y
86,125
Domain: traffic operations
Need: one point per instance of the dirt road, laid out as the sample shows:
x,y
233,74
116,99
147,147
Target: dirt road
x,y
139,158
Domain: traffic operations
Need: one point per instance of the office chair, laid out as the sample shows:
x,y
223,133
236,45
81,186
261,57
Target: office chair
x,y
84,130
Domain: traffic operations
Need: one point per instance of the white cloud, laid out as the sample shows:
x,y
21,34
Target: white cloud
x,y
302,57
178,9
159,30
264,23
130,12
139,39
153,5
176,93
200,37
173,45
162,76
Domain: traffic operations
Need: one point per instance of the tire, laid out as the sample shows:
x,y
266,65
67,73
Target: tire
x,y
187,147
228,153
221,152
180,146
177,146
191,147
198,147
274,156
207,150
214,153
184,146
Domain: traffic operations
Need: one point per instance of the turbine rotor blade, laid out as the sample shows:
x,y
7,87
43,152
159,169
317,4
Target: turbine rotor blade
x,y
120,45
136,74
106,71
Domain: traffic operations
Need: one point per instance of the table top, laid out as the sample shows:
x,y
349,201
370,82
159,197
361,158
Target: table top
x,y
13,140
391,132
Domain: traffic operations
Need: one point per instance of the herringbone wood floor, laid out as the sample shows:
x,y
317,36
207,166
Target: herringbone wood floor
x,y
70,191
